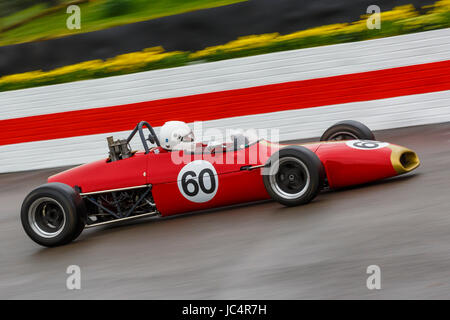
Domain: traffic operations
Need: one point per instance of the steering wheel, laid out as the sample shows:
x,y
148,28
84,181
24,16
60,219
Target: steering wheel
x,y
152,137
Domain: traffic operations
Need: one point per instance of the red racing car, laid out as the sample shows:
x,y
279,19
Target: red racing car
x,y
163,180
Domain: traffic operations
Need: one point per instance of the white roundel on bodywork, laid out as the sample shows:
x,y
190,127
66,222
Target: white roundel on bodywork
x,y
366,144
198,181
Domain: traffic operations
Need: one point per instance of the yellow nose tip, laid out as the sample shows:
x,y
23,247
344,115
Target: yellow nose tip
x,y
403,159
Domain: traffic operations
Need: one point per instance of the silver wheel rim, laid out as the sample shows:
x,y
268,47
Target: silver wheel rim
x,y
46,217
339,136
289,166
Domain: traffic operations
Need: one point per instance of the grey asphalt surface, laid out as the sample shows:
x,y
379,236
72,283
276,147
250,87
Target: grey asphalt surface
x,y
259,251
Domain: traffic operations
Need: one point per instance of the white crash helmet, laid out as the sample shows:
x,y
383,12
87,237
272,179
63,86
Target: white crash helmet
x,y
174,134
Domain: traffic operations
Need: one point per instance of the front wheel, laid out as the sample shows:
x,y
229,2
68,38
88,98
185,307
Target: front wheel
x,y
53,214
295,176
347,130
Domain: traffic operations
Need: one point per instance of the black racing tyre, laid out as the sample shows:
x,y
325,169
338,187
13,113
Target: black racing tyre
x,y
81,224
294,176
348,130
53,214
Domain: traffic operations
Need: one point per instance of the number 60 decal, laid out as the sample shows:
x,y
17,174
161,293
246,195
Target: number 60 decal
x,y
366,144
198,181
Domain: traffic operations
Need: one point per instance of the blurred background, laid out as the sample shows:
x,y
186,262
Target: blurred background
x,y
297,66
34,35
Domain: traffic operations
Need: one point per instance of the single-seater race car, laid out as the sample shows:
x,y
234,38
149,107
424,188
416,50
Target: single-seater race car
x,y
165,180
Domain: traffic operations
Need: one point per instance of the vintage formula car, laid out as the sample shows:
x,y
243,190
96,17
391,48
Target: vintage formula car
x,y
161,182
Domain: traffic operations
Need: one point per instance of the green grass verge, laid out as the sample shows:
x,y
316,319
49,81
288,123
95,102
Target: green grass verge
x,y
94,16
21,15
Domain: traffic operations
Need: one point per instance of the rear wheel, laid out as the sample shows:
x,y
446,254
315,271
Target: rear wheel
x,y
53,214
348,130
295,176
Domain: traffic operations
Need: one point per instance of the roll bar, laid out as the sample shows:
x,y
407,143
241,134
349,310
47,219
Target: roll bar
x,y
152,138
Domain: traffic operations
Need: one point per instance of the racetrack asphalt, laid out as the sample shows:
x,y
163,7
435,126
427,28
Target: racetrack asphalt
x,y
257,251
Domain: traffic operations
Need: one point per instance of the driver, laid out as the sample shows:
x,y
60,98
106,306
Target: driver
x,y
177,135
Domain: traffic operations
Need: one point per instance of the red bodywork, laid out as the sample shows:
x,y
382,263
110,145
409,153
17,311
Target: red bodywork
x,y
343,165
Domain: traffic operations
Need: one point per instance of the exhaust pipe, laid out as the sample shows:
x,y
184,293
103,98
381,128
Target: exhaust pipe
x,y
403,159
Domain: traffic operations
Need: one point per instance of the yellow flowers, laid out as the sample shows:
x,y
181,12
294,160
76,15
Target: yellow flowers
x,y
136,60
319,31
88,65
124,62
41,75
437,17
21,76
399,13
247,42
400,20
441,6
